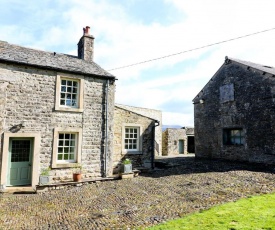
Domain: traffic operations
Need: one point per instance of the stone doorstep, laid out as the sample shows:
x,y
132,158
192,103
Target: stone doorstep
x,y
60,185
19,190
127,175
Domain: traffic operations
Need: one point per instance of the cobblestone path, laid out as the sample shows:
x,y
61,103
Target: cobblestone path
x,y
136,203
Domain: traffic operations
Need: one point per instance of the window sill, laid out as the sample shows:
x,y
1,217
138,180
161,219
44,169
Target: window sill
x,y
64,165
68,109
133,152
233,145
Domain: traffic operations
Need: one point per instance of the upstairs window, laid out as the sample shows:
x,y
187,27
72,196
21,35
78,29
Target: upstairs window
x,y
233,137
69,93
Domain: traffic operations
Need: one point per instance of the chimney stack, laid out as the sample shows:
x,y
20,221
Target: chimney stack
x,y
86,45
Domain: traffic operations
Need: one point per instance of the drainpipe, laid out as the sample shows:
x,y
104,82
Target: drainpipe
x,y
153,145
106,130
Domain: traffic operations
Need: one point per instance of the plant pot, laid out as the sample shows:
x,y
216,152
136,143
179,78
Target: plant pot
x,y
44,180
77,177
127,168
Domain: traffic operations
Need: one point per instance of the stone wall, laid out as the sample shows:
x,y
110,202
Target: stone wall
x,y
30,98
170,144
249,106
154,114
122,117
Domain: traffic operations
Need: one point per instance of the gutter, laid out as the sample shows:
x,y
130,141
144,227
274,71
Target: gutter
x,y
43,67
153,144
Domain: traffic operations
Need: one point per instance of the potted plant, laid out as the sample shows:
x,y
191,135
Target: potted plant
x,y
77,172
127,165
44,178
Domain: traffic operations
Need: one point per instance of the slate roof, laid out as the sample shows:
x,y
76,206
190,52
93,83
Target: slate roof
x,y
48,60
264,68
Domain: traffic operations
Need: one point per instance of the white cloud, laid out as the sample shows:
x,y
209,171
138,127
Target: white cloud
x,y
119,41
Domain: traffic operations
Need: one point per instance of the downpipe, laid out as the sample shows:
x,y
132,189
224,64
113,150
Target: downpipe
x,y
153,144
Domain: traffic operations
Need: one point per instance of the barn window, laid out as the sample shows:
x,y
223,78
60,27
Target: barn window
x,y
233,136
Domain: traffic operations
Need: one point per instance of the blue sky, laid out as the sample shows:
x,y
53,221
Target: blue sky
x,y
131,31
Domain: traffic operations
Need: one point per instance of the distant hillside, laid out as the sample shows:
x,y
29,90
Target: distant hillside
x,y
164,127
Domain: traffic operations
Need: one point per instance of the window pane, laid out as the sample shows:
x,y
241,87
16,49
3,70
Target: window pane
x,y
69,91
72,143
66,149
131,138
233,137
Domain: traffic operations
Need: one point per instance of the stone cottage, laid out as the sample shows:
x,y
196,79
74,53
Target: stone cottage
x,y
235,113
56,110
178,141
136,136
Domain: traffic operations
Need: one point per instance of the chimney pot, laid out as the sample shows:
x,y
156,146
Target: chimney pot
x,y
86,30
86,45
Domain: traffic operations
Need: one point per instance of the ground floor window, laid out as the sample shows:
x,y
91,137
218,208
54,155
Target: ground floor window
x,y
131,138
233,136
66,147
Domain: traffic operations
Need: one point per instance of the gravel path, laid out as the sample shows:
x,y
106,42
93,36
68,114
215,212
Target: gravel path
x,y
143,201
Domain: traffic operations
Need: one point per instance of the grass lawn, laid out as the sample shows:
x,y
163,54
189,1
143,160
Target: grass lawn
x,y
254,213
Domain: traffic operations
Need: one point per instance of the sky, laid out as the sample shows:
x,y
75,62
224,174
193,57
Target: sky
x,y
133,31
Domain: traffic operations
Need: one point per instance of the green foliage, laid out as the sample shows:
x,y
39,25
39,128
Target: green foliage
x,y
127,161
256,212
77,168
45,172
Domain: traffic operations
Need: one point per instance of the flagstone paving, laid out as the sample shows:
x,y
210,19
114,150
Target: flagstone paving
x,y
143,201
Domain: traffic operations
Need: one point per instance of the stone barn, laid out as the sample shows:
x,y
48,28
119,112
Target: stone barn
x,y
235,113
178,141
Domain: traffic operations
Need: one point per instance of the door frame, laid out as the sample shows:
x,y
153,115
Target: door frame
x,y
35,159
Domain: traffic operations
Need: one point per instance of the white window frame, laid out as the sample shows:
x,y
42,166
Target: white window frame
x,y
80,93
78,143
138,150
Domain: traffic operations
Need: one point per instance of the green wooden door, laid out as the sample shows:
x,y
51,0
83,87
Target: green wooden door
x,y
181,146
20,161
